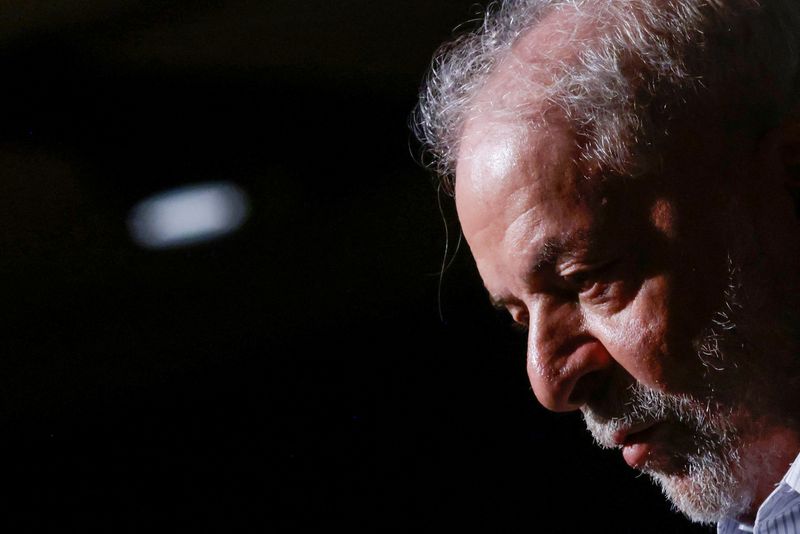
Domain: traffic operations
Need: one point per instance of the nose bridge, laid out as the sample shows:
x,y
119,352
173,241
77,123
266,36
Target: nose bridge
x,y
561,352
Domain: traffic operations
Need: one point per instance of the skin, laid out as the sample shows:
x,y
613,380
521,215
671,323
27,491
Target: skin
x,y
615,277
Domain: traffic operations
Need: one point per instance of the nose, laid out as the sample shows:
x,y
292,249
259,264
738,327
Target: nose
x,y
566,363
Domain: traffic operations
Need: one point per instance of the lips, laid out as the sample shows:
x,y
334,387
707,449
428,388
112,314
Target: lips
x,y
637,442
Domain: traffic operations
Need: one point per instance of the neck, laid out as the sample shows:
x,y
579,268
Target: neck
x,y
773,452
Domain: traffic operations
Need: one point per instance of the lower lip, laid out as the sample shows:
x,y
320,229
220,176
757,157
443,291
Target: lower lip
x,y
637,447
636,454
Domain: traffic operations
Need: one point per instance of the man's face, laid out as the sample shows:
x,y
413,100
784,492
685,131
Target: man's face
x,y
631,291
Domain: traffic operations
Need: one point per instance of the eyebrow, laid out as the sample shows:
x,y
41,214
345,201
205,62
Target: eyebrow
x,y
564,245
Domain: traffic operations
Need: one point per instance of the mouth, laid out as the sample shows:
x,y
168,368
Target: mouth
x,y
637,442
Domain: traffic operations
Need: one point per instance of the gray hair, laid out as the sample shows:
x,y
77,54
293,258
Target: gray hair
x,y
643,61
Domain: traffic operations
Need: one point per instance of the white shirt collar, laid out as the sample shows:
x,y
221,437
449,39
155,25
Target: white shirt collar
x,y
785,496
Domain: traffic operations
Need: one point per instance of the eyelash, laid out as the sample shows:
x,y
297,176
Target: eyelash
x,y
587,282
596,290
590,284
580,281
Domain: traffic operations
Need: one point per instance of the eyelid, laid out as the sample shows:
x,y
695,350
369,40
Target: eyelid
x,y
577,267
580,275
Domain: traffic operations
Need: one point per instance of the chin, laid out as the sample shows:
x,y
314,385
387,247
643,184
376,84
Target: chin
x,y
710,462
710,470
729,479
713,486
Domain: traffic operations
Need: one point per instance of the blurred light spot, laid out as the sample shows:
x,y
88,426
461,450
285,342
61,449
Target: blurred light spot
x,y
188,215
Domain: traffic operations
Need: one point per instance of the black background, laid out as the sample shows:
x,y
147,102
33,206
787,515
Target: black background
x,y
297,374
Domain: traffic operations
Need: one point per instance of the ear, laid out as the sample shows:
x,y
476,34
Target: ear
x,y
779,152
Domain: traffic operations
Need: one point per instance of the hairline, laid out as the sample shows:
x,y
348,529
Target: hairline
x,y
609,64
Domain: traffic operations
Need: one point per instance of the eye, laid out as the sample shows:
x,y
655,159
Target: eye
x,y
580,281
595,290
594,281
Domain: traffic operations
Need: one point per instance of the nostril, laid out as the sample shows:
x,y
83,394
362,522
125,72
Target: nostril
x,y
587,387
560,365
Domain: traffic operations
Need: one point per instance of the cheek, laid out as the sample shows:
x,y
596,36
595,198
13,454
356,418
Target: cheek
x,y
645,338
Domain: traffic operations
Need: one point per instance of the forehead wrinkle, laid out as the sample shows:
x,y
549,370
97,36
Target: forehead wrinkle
x,y
517,237
568,244
527,229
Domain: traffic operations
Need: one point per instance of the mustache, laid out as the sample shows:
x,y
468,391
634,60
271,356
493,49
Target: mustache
x,y
640,404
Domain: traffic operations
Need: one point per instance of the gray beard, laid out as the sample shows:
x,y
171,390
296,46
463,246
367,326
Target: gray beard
x,y
716,480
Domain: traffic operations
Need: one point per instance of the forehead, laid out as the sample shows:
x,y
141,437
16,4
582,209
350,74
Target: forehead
x,y
515,150
518,188
510,162
522,186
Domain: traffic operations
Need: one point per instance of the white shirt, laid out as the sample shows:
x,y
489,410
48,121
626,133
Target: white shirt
x,y
778,514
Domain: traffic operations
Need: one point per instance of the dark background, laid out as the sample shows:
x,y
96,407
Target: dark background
x,y
297,374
